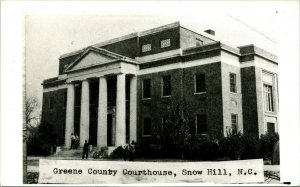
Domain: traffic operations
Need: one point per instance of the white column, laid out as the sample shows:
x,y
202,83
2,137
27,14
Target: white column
x,y
102,113
133,105
84,112
69,115
121,111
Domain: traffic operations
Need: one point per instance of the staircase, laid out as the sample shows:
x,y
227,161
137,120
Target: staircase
x,y
77,153
69,153
73,153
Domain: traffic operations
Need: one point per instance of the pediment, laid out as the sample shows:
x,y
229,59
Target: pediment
x,y
92,58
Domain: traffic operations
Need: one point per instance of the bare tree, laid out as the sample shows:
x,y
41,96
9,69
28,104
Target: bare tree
x,y
32,117
32,113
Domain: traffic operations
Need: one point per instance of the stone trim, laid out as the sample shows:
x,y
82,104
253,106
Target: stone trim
x,y
253,50
54,88
52,83
162,62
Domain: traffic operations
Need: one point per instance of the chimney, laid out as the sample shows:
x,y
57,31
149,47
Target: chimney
x,y
209,31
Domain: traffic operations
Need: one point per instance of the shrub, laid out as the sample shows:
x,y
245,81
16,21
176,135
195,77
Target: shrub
x,y
267,143
251,147
232,146
157,150
39,143
202,148
143,150
119,152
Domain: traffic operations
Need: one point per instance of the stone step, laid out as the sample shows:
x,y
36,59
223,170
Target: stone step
x,y
67,152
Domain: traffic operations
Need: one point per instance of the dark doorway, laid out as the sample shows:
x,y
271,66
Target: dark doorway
x,y
94,95
77,109
93,125
109,130
127,131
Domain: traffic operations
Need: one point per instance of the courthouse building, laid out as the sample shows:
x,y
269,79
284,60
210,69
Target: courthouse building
x,y
117,91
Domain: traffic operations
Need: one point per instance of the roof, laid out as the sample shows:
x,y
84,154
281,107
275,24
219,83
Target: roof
x,y
136,34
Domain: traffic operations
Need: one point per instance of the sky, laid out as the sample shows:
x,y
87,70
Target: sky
x,y
55,30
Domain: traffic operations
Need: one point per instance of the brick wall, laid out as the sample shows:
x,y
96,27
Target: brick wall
x,y
156,107
127,47
250,113
56,116
209,103
155,41
182,80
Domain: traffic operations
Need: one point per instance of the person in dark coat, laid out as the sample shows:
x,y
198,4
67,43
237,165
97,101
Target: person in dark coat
x,y
85,152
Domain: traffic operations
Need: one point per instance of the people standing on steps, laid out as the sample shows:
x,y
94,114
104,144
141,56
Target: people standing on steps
x,y
76,141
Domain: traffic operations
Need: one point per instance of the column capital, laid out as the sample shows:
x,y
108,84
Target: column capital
x,y
70,83
102,76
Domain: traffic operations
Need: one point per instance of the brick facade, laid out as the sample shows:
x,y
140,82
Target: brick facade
x,y
222,67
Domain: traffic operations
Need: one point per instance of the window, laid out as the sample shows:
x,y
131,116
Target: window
x,y
165,43
234,123
201,126
51,102
146,88
166,85
199,42
199,83
233,82
270,127
147,126
268,92
146,48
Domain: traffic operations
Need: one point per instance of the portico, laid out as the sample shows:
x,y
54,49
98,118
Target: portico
x,y
101,66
